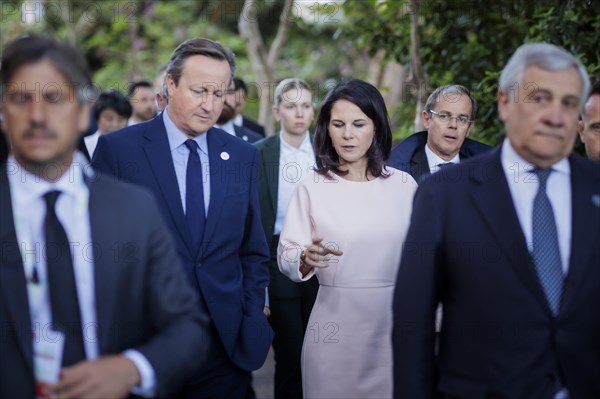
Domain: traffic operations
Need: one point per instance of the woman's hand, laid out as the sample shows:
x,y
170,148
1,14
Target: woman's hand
x,y
317,255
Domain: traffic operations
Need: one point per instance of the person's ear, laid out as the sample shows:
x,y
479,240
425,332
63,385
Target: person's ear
x,y
276,115
426,119
580,130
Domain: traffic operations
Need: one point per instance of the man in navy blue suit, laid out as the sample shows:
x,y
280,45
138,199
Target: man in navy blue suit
x,y
205,181
449,116
508,243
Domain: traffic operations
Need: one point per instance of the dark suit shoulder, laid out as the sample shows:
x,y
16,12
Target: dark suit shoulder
x,y
253,125
233,142
585,166
246,134
122,192
402,154
472,147
267,142
482,169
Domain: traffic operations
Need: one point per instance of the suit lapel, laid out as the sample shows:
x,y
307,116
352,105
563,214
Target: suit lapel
x,y
159,156
492,199
219,170
419,165
585,228
13,284
271,158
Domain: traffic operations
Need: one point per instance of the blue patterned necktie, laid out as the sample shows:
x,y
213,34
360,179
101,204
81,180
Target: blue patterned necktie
x,y
194,195
546,252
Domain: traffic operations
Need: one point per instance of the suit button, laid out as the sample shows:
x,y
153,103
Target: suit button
x,y
199,264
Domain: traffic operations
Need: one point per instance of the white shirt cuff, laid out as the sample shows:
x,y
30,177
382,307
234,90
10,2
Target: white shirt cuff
x,y
147,387
267,302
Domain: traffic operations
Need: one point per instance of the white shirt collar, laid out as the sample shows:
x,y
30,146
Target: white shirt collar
x,y
228,127
434,160
510,160
177,138
305,146
28,186
238,120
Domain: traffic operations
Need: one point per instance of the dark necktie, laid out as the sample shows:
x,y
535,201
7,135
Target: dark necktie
x,y
444,165
546,252
61,283
194,197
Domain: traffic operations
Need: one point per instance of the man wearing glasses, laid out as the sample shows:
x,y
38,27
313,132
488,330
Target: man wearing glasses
x,y
449,117
589,125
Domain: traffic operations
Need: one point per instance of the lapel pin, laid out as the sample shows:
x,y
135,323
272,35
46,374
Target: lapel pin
x,y
224,156
596,200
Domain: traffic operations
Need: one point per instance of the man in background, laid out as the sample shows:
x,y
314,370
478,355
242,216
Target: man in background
x,y
449,116
143,101
241,94
589,125
225,120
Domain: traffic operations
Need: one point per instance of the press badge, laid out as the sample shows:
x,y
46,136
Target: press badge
x,y
47,359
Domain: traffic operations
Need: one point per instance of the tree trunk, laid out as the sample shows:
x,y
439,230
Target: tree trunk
x,y
375,68
262,61
135,73
419,78
393,79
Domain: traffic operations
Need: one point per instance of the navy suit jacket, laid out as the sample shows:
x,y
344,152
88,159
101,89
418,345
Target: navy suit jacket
x,y
409,156
231,268
142,302
465,248
251,124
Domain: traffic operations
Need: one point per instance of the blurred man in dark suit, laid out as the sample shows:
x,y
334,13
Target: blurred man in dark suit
x,y
90,302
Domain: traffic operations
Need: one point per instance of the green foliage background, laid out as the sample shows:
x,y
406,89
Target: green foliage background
x,y
469,41
462,41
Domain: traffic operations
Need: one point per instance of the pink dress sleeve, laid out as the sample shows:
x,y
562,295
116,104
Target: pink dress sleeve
x,y
297,232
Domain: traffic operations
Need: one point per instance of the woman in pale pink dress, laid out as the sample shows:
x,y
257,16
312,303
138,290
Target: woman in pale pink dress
x,y
346,223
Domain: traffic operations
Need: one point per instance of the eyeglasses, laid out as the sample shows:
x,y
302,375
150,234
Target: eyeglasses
x,y
445,118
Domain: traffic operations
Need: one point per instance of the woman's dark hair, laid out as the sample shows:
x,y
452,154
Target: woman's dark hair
x,y
366,97
115,100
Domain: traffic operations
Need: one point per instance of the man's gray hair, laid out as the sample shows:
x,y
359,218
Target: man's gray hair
x,y
542,55
198,46
451,93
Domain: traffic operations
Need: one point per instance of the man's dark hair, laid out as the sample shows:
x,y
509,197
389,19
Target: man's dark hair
x,y
115,100
595,88
198,46
366,97
67,59
239,84
135,85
